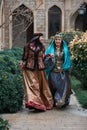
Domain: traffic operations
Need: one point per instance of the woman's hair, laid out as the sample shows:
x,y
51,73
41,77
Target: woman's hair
x,y
36,36
36,40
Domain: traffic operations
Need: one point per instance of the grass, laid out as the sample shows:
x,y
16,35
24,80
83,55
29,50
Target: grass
x,y
80,93
82,97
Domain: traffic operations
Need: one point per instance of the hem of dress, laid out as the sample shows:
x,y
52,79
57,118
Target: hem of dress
x,y
35,105
49,108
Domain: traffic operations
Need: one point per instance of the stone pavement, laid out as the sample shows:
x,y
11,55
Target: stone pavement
x,y
71,118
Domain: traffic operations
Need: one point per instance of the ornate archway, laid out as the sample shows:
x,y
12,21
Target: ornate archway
x,y
54,20
81,21
22,26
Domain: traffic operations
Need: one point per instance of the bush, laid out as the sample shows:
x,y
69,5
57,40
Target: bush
x,y
69,36
78,49
82,97
11,84
14,52
76,84
4,125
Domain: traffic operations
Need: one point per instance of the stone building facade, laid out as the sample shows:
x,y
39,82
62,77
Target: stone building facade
x,y
46,16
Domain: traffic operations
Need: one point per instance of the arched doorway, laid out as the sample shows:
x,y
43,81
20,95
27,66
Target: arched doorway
x,y
81,22
54,20
22,26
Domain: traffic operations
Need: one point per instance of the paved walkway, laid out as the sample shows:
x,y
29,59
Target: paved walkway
x,y
71,118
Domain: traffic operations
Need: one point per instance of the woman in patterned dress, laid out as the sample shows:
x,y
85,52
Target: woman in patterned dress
x,y
37,92
58,76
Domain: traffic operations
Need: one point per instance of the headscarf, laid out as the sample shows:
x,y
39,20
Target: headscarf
x,y
51,50
58,36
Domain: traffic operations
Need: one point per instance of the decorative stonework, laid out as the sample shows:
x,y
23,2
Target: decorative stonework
x,y
40,10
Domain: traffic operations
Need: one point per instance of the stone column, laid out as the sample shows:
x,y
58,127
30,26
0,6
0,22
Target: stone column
x,y
34,14
67,16
40,20
62,25
10,32
46,28
2,31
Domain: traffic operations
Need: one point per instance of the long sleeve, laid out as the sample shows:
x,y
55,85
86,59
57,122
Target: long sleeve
x,y
25,53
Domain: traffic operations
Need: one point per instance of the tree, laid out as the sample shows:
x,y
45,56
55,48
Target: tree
x,y
22,14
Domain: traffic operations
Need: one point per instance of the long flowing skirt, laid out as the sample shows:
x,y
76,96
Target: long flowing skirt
x,y
60,86
37,92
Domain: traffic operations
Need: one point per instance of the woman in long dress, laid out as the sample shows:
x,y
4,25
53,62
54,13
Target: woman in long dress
x,y
58,76
37,92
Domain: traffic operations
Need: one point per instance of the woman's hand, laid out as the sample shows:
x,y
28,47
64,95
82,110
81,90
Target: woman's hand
x,y
49,55
21,65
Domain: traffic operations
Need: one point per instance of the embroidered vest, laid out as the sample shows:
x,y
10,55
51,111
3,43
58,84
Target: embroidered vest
x,y
58,60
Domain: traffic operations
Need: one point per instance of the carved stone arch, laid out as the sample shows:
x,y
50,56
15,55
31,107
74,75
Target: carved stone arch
x,y
22,26
79,22
72,19
54,20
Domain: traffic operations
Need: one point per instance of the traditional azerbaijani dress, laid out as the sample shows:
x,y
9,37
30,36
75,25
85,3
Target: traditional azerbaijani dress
x,y
58,77
37,92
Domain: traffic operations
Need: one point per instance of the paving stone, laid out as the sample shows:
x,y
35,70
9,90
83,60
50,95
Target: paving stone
x,y
72,117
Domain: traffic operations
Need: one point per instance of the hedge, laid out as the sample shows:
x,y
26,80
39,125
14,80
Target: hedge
x,y
11,84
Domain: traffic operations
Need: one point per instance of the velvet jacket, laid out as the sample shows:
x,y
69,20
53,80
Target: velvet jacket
x,y
33,57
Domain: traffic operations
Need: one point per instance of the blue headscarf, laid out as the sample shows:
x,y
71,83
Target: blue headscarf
x,y
67,61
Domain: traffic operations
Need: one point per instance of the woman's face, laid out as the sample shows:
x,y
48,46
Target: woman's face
x,y
41,39
58,41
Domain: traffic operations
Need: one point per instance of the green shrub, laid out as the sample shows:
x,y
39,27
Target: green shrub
x,y
11,84
69,36
4,124
80,62
79,92
82,97
76,84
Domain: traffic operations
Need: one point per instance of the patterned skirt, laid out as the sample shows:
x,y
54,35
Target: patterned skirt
x,y
60,86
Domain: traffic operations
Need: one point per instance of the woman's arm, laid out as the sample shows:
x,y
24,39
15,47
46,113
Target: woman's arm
x,y
24,57
21,65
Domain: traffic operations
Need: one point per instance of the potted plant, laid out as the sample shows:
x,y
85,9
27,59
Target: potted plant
x,y
4,125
